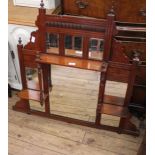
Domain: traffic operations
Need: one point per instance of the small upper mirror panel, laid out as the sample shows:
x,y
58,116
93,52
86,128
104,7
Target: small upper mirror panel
x,y
96,48
73,45
52,43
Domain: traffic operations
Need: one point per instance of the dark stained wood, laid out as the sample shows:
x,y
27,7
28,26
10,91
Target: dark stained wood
x,y
41,31
108,36
142,148
85,47
131,81
46,86
44,74
76,32
130,39
123,51
101,96
9,91
124,10
118,74
61,42
22,106
126,125
70,62
113,100
33,44
114,110
21,63
141,75
87,21
125,122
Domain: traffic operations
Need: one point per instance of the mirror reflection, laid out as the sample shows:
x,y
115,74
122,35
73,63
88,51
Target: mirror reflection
x,y
52,43
33,84
96,47
73,45
75,93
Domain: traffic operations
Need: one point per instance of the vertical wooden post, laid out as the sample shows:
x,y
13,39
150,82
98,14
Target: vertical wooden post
x,y
61,44
109,35
106,57
101,92
49,72
131,81
124,122
45,73
40,23
22,105
44,68
85,47
21,63
62,7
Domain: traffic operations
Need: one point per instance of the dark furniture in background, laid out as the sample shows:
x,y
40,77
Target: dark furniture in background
x,y
132,11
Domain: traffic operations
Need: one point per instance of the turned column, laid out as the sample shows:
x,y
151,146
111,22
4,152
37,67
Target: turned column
x,y
101,92
22,105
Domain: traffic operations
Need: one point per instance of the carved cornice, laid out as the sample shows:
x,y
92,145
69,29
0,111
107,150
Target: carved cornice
x,y
75,26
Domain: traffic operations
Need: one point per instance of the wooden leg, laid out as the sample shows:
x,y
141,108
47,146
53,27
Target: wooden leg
x,y
100,96
49,77
98,118
47,106
9,91
126,124
22,106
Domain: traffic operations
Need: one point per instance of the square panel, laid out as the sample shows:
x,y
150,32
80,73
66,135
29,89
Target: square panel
x,y
96,48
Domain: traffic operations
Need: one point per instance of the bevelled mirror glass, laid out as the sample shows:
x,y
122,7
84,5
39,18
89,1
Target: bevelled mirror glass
x,y
73,45
96,48
33,84
52,43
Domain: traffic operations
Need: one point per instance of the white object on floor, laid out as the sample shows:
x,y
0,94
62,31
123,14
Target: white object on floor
x,y
16,31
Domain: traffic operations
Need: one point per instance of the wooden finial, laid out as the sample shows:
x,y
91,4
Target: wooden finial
x,y
104,66
42,4
112,10
20,40
136,55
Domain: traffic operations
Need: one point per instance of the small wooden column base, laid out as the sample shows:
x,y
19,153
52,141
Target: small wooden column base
x,y
22,106
127,125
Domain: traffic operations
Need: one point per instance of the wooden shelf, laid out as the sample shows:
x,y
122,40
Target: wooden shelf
x,y
30,95
114,100
114,110
96,55
70,62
